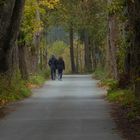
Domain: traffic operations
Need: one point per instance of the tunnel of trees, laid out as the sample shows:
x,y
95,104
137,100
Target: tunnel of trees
x,y
95,35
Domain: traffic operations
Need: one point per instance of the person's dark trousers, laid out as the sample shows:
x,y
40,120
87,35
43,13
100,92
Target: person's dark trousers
x,y
60,74
53,74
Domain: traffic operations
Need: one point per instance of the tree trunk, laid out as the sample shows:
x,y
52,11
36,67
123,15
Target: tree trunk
x,y
73,68
77,58
88,62
37,38
112,46
10,17
134,51
23,62
111,50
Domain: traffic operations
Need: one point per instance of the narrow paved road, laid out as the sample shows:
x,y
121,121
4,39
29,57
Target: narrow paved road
x,y
72,109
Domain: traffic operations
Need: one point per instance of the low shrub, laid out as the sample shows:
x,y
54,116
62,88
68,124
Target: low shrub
x,y
45,73
124,97
100,74
37,80
127,99
12,88
110,83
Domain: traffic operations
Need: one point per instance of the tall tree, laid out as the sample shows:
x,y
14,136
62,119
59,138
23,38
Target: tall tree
x,y
112,36
134,48
10,17
71,36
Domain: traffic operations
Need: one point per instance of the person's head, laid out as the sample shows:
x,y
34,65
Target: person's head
x,y
53,56
60,58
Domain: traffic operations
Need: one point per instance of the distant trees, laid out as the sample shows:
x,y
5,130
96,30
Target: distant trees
x,y
82,19
66,16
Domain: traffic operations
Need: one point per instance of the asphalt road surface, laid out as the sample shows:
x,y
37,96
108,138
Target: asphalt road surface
x,y
72,109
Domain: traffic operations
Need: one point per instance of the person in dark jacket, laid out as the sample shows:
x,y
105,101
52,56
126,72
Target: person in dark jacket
x,y
60,67
53,66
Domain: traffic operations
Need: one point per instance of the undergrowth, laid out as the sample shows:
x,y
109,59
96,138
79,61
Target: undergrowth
x,y
124,97
38,79
99,73
127,100
12,89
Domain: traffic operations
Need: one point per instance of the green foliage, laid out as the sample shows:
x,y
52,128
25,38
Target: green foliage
x,y
45,73
100,73
134,113
127,99
57,48
124,97
116,6
40,78
30,23
37,80
35,13
12,89
110,83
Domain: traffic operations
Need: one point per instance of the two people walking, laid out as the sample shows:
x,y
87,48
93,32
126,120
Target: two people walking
x,y
56,65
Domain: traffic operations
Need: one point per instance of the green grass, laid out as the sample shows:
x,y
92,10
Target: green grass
x,y
37,80
110,83
40,78
15,88
124,97
127,100
45,73
100,73
12,89
105,81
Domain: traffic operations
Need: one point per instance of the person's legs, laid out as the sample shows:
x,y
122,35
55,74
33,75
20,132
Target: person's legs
x,y
60,71
52,74
58,74
61,74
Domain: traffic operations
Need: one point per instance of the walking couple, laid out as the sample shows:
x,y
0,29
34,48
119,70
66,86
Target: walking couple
x,y
56,65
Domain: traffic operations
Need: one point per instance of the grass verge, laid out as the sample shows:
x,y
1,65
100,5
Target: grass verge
x,y
15,88
99,74
38,79
12,89
125,106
